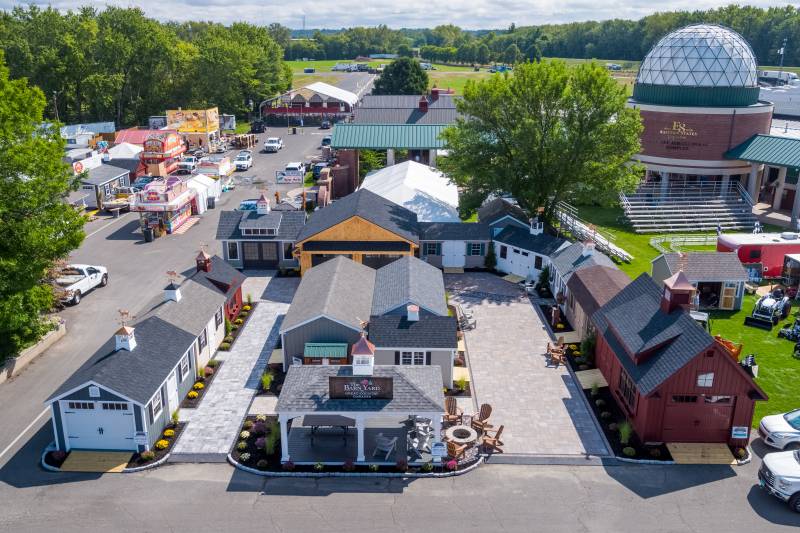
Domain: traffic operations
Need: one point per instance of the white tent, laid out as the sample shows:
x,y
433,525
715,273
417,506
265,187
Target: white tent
x,y
214,186
420,188
124,151
332,91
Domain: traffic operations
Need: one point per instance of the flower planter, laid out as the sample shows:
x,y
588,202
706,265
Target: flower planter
x,y
238,331
136,460
567,327
191,403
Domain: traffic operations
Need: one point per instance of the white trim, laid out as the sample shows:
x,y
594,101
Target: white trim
x,y
754,109
238,251
415,348
408,303
495,222
86,384
354,328
55,428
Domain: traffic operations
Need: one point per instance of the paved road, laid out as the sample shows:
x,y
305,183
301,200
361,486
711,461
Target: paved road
x,y
214,497
137,273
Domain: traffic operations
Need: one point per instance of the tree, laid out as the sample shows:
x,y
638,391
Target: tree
x,y
38,226
512,54
533,54
402,76
546,134
483,55
280,34
405,51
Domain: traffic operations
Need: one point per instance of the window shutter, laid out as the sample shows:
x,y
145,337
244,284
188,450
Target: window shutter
x,y
180,374
428,358
150,412
397,358
483,248
468,250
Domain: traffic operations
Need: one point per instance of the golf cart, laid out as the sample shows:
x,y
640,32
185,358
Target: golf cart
x,y
792,333
769,310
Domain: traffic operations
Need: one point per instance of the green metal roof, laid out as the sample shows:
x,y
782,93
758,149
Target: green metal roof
x,y
769,149
695,96
385,136
334,350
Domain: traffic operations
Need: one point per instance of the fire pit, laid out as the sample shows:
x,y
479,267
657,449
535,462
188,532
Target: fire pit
x,y
461,434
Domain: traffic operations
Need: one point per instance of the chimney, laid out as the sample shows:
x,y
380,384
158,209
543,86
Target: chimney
x,y
172,292
434,93
125,339
678,292
588,249
412,313
262,206
203,261
537,227
423,103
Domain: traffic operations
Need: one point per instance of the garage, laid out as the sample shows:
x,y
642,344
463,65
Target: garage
x,y
98,425
693,418
260,255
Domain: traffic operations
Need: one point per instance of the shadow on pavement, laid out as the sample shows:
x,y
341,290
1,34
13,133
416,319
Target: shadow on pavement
x,y
23,469
314,487
648,481
128,232
770,508
281,290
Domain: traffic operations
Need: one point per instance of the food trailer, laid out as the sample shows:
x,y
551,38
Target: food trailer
x,y
199,127
165,204
215,167
162,153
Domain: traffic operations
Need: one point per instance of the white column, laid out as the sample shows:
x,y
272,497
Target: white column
x,y
284,421
432,159
726,185
795,210
390,157
752,182
437,427
776,202
360,431
664,183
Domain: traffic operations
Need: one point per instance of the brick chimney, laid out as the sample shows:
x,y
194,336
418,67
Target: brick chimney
x,y
677,293
434,93
423,103
203,261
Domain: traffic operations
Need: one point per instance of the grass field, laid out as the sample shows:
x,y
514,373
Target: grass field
x,y
300,80
779,372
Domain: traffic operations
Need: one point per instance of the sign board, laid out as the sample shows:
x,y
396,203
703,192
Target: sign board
x,y
157,122
140,438
740,432
227,122
360,388
288,176
193,120
438,449
77,166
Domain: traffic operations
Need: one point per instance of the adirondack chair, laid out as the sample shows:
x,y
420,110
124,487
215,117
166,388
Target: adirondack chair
x,y
456,450
493,442
453,414
481,423
384,446
555,355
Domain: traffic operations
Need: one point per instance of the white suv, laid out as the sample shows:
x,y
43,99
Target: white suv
x,y
780,476
779,431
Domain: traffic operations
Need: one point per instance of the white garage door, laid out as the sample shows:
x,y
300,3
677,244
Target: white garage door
x,y
453,254
98,425
520,264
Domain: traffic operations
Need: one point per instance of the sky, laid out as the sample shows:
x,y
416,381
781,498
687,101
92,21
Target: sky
x,y
334,14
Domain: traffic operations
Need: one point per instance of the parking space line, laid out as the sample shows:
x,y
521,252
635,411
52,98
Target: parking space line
x,y
23,432
107,225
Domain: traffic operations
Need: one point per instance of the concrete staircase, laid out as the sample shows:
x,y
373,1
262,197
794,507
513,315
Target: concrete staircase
x,y
688,207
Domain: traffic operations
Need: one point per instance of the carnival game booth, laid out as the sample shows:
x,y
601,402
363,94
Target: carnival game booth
x,y
165,204
162,152
215,167
766,249
198,127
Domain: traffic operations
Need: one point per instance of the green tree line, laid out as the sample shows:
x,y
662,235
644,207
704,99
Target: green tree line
x,y
117,64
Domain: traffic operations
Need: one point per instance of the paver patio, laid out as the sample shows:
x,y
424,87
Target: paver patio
x,y
213,425
540,406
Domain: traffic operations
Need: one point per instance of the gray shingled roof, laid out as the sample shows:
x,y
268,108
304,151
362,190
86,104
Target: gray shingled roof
x,y
454,231
594,286
137,374
409,280
339,289
542,244
363,115
395,331
406,101
291,222
103,174
369,206
415,389
632,322
251,219
706,266
222,277
571,259
498,208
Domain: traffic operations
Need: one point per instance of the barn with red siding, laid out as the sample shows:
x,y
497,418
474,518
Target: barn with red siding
x,y
215,273
674,381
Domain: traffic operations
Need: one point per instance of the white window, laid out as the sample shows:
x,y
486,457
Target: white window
x,y
705,380
233,250
218,318
202,340
81,405
155,406
115,406
475,248
412,358
184,367
270,231
433,248
94,391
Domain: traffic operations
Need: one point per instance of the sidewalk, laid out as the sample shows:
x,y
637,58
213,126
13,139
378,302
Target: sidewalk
x,y
213,425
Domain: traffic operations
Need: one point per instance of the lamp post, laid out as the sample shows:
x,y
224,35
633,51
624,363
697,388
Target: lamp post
x,y
782,51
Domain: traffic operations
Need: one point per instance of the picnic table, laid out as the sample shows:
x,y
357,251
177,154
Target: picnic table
x,y
332,421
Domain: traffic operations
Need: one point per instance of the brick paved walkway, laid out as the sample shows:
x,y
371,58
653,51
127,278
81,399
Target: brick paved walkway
x,y
540,406
213,425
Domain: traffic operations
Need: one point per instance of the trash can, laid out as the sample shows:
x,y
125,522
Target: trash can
x,y
211,202
148,234
294,131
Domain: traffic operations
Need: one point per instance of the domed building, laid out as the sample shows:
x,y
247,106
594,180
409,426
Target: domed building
x,y
697,92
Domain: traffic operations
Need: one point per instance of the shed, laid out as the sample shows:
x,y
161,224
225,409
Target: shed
x,y
588,290
454,244
718,277
571,259
101,181
525,252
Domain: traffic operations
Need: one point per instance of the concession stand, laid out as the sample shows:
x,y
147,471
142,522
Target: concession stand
x,y
165,204
198,127
161,153
215,167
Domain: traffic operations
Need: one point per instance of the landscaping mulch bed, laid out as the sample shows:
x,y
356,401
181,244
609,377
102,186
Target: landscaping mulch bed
x,y
236,329
546,311
56,458
191,403
455,391
137,461
616,416
577,359
276,385
544,291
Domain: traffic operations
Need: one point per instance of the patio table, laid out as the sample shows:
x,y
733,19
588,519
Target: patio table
x,y
317,421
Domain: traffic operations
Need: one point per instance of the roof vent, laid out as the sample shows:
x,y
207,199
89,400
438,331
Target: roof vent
x,y
125,339
172,292
537,226
262,206
413,313
588,249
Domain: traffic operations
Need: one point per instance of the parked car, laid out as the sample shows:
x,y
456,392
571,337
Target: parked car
x,y
780,431
273,144
251,204
244,160
317,169
780,476
257,127
326,141
325,125
342,67
187,165
296,167
77,280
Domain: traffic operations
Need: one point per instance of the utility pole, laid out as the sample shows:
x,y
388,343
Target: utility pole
x,y
55,103
782,51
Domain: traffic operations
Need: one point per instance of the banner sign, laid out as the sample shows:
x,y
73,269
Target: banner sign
x,y
193,120
360,388
289,176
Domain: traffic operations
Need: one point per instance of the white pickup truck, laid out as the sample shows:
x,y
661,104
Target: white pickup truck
x,y
77,280
780,476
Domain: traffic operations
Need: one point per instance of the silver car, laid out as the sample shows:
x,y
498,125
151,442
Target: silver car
x,y
780,431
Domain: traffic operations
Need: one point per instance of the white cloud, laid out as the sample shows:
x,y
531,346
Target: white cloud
x,y
471,14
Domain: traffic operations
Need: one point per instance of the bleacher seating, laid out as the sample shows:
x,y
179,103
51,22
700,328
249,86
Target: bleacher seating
x,y
685,207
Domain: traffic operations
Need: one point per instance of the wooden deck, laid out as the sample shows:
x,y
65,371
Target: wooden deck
x,y
699,453
95,461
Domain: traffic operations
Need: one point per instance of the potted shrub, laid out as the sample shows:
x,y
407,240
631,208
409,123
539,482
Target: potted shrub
x,y
625,433
266,380
319,467
348,466
288,466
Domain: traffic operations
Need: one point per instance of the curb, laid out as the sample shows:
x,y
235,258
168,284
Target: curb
x,y
265,473
146,467
49,448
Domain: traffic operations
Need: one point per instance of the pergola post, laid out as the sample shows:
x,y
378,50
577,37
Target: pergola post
x,y
436,419
432,158
752,184
389,157
284,422
360,433
776,202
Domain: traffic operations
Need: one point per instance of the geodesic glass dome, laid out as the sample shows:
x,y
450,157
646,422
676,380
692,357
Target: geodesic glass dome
x,y
701,55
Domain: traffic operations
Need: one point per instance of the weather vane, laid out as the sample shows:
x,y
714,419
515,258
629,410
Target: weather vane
x,y
124,317
172,276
